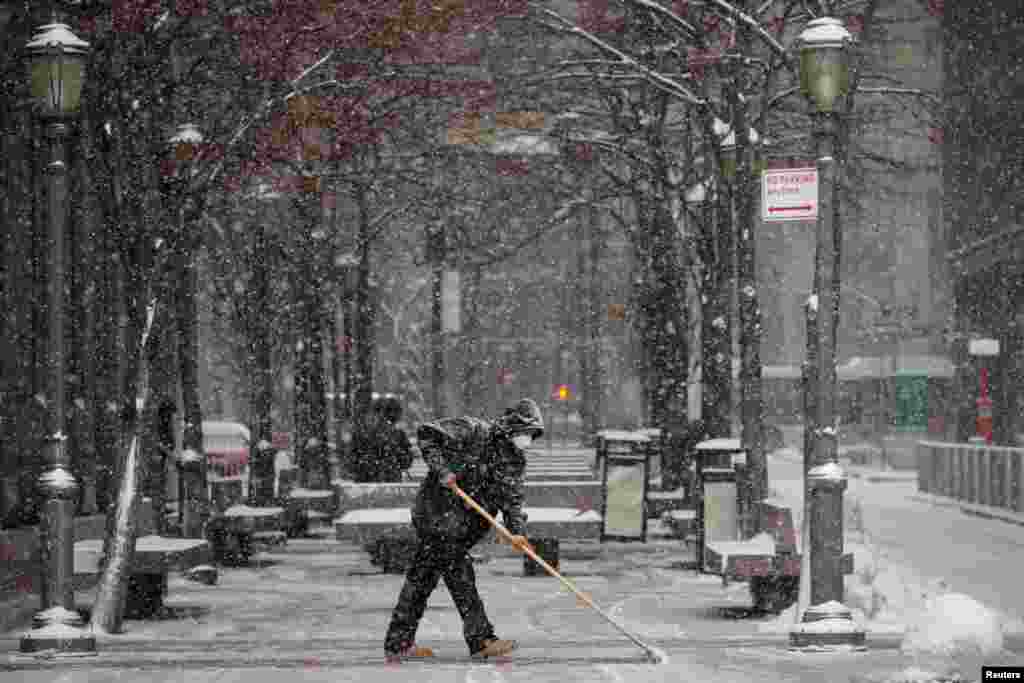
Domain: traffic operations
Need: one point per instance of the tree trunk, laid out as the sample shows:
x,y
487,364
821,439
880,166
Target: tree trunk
x,y
716,327
435,253
476,369
108,612
195,502
751,406
593,379
261,455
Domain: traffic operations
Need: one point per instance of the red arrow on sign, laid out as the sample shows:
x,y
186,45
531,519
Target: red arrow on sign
x,y
802,207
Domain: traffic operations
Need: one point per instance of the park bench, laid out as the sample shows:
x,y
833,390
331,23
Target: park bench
x,y
304,506
235,532
769,561
542,494
154,558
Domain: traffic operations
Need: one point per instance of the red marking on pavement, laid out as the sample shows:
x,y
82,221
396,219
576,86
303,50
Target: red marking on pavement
x,y
936,8
311,663
23,583
503,663
504,376
780,209
584,504
8,552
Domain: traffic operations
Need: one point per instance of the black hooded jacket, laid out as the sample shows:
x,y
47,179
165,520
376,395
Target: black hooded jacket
x,y
489,468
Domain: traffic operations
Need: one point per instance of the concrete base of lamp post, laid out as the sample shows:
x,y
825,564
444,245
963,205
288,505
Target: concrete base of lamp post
x,y
826,627
57,627
827,623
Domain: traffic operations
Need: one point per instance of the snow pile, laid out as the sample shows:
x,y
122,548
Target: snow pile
x,y
248,511
310,493
953,636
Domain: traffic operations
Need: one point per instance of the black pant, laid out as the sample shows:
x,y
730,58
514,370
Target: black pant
x,y
438,556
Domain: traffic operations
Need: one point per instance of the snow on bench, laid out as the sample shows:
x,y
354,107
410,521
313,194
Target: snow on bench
x,y
154,557
153,554
365,525
572,493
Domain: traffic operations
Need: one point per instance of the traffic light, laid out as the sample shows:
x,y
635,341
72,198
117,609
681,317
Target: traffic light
x,y
562,392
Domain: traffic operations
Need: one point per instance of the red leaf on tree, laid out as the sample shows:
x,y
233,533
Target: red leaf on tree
x,y
681,7
191,8
8,552
936,8
584,504
23,583
711,23
936,135
855,23
232,183
728,40
584,151
130,16
87,24
512,167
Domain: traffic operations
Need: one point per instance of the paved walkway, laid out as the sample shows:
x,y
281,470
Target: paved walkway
x,y
318,607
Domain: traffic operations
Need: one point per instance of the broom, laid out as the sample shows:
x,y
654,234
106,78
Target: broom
x,y
653,654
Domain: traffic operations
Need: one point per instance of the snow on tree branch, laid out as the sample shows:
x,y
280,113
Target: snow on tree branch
x,y
658,80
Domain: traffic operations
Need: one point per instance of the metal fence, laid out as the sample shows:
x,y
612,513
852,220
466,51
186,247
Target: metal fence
x,y
985,475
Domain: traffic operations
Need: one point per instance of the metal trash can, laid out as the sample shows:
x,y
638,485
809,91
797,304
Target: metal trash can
x,y
547,549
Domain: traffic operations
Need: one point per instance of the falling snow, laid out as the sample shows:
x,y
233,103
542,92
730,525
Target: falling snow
x,y
256,247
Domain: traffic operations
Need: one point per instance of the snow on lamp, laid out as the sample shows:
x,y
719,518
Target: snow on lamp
x,y
824,62
56,70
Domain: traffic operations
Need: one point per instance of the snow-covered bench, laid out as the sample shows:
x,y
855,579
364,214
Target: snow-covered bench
x,y
304,505
387,533
234,531
362,526
154,557
541,494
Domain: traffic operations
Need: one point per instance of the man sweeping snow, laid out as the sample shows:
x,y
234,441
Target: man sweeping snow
x,y
487,460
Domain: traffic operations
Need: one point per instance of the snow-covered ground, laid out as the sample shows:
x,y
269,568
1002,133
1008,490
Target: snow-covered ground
x,y
941,583
948,583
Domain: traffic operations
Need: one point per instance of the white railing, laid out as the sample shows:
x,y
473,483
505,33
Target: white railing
x,y
980,474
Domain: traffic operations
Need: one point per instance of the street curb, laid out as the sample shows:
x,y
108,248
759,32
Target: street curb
x,y
877,478
973,509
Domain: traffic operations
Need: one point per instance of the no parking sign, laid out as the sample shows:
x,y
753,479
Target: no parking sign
x,y
789,194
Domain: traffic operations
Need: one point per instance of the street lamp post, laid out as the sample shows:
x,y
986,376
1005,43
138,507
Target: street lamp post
x,y
824,80
56,67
